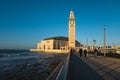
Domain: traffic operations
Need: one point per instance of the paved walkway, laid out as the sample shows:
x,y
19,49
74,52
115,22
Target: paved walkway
x,y
107,67
79,70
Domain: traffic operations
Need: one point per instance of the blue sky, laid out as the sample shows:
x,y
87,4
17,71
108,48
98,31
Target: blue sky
x,y
24,23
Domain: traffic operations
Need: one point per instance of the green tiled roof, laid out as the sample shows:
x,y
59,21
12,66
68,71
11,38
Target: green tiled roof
x,y
58,38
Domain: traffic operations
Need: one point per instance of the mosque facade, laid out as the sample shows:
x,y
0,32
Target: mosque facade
x,y
61,42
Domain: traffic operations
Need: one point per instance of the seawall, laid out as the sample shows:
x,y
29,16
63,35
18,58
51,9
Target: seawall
x,y
49,51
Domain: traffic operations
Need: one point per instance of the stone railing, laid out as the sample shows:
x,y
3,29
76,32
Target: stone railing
x,y
60,73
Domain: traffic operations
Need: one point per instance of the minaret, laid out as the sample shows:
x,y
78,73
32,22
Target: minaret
x,y
71,32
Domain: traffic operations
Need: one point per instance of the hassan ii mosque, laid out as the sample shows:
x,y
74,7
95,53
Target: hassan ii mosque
x,y
59,43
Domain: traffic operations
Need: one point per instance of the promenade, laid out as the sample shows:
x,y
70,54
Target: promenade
x,y
93,68
79,70
87,68
107,67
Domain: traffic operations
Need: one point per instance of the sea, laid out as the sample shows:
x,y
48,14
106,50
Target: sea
x,y
24,65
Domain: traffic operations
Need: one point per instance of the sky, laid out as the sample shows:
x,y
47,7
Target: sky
x,y
24,23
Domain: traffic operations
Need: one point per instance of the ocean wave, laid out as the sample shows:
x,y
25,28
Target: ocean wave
x,y
18,58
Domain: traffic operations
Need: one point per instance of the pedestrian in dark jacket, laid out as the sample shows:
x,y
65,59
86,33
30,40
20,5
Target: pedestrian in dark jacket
x,y
85,52
80,52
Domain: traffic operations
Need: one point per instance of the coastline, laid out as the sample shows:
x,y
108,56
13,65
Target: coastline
x,y
28,66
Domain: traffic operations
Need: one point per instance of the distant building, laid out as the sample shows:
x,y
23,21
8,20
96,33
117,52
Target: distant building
x,y
53,43
59,42
116,47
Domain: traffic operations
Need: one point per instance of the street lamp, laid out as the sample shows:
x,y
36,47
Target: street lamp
x,y
104,40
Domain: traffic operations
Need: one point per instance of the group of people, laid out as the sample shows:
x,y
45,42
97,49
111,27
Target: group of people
x,y
82,52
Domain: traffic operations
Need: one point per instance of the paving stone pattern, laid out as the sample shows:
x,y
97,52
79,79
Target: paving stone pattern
x,y
107,67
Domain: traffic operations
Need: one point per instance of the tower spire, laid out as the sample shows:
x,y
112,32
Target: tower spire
x,y
71,14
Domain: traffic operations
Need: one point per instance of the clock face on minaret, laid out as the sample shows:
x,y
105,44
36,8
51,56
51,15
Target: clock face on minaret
x,y
71,32
71,24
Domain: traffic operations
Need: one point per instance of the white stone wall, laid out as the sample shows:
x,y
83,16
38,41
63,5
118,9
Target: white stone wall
x,y
51,44
60,43
45,44
116,47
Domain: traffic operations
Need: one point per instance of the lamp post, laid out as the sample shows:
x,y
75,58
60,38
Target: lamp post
x,y
104,40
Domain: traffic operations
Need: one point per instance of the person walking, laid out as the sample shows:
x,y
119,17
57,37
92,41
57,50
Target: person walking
x,y
80,52
85,52
95,52
72,51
